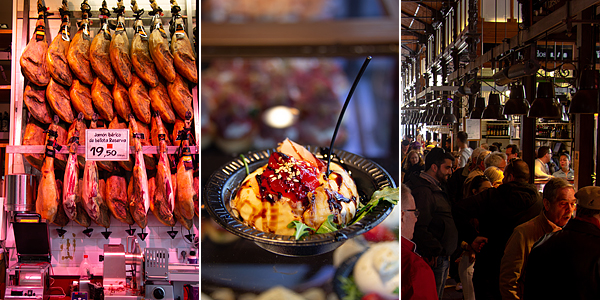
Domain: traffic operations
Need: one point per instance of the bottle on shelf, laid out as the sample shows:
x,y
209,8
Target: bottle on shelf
x,y
85,270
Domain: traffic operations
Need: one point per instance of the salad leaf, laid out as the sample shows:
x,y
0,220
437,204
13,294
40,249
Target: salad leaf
x,y
397,290
387,194
301,229
350,288
328,225
245,164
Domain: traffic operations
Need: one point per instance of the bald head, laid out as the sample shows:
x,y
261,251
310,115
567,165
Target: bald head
x,y
518,170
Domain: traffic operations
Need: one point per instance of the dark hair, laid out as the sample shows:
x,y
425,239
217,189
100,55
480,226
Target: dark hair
x,y
551,188
477,182
542,151
565,154
586,212
493,148
515,149
405,143
437,156
462,136
519,169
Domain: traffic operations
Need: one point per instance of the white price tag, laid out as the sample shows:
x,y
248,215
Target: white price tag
x,y
107,144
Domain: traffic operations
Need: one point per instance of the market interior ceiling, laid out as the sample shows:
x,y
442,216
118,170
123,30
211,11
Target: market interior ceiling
x,y
417,22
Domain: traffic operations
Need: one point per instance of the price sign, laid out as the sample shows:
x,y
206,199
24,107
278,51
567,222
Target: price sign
x,y
107,144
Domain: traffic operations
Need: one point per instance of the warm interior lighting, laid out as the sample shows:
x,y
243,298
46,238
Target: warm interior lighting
x,y
280,116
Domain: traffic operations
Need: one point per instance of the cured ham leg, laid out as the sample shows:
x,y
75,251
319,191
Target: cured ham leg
x,y
121,100
184,57
48,197
34,135
57,52
33,60
140,100
91,192
180,95
119,49
161,103
186,195
103,100
60,101
139,201
35,100
79,50
140,54
80,127
72,203
116,197
81,99
163,202
99,49
159,46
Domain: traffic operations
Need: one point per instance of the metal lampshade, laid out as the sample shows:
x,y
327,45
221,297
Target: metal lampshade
x,y
585,101
448,117
439,115
430,116
517,104
493,110
545,104
478,109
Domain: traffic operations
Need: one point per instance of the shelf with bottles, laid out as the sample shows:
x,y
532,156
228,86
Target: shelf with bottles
x,y
499,130
554,131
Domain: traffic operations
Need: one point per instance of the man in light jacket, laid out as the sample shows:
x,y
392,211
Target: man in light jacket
x,y
559,205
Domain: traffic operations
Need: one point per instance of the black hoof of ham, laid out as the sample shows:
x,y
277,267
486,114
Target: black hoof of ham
x,y
172,233
143,235
106,234
88,232
130,231
61,232
190,237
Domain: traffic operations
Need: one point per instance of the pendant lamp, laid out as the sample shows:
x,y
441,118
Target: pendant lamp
x,y
448,117
517,104
545,104
439,115
478,109
585,101
493,111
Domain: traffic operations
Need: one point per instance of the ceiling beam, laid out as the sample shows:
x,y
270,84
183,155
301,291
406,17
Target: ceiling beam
x,y
411,51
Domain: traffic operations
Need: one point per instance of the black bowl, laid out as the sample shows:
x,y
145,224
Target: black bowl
x,y
223,184
345,270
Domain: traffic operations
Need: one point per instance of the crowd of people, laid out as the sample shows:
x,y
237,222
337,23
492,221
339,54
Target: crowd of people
x,y
473,215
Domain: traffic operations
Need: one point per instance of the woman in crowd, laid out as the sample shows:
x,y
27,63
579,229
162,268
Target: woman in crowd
x,y
495,175
414,164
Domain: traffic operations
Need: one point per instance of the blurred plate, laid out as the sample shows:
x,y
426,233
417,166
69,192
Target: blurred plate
x,y
223,184
345,270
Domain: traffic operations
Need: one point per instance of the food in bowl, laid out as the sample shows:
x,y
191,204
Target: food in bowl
x,y
294,186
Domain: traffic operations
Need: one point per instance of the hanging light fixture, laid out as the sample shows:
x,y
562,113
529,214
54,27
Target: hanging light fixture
x,y
517,104
431,115
439,115
448,117
478,109
493,111
585,101
545,105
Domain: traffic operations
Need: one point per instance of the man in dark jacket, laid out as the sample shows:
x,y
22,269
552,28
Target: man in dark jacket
x,y
571,255
498,211
435,234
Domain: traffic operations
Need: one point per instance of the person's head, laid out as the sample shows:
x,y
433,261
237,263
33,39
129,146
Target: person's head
x,y
461,138
409,213
475,155
588,202
485,146
415,146
559,201
516,170
448,143
493,148
480,163
564,161
512,151
438,163
495,159
405,146
479,184
495,175
413,158
544,154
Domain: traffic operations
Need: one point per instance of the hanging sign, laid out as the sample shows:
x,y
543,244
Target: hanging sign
x,y
107,144
473,129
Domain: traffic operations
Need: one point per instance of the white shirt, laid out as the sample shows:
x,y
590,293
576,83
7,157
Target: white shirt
x,y
541,169
465,154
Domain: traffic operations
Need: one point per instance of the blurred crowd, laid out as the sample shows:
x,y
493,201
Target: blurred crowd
x,y
473,215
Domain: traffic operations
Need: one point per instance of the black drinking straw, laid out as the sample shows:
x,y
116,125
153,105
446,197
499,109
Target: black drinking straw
x,y
339,121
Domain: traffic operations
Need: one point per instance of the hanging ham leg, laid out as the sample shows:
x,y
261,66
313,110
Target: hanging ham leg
x,y
34,135
186,195
116,197
163,202
115,124
33,60
161,103
140,54
72,173
79,50
140,100
48,196
81,99
103,100
180,95
119,52
34,98
92,196
99,49
159,47
121,100
184,57
72,133
57,52
60,101
139,202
